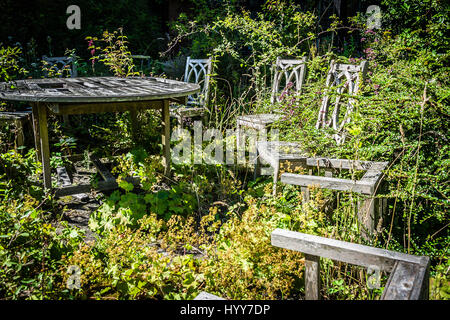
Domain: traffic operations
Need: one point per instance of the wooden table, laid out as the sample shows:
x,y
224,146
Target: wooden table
x,y
65,96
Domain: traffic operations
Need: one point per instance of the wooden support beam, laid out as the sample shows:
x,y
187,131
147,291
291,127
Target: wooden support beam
x,y
86,108
408,281
37,140
305,194
367,216
134,124
340,250
20,136
166,136
45,148
328,183
312,277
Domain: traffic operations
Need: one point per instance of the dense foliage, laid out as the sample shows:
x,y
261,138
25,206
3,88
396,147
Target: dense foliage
x,y
207,227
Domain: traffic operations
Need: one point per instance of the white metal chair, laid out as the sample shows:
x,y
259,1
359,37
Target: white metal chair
x,y
286,71
196,71
276,152
338,73
372,208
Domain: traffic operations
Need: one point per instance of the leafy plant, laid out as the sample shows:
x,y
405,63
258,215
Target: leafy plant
x,y
9,63
115,53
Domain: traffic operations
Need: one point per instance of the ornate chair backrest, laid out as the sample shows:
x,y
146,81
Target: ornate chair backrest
x,y
198,71
61,64
344,77
287,71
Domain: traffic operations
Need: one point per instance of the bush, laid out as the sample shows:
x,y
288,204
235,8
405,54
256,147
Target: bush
x,y
31,251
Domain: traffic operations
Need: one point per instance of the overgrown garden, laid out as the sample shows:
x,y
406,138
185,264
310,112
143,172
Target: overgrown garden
x,y
207,227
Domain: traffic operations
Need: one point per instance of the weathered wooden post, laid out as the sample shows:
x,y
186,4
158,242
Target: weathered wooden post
x,y
166,136
312,277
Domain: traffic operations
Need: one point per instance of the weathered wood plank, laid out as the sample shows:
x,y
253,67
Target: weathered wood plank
x,y
45,148
347,252
207,296
274,152
17,115
63,177
258,119
188,112
312,277
405,282
104,172
166,136
58,108
345,164
327,183
87,188
96,89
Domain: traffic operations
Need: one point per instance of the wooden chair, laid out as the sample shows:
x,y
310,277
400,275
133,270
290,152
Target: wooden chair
x,y
60,64
370,209
196,71
275,152
142,58
291,71
278,153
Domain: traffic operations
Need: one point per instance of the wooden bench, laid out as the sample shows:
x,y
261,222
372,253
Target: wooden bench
x,y
409,274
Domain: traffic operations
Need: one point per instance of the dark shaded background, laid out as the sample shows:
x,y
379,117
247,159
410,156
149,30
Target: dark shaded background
x,y
145,22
